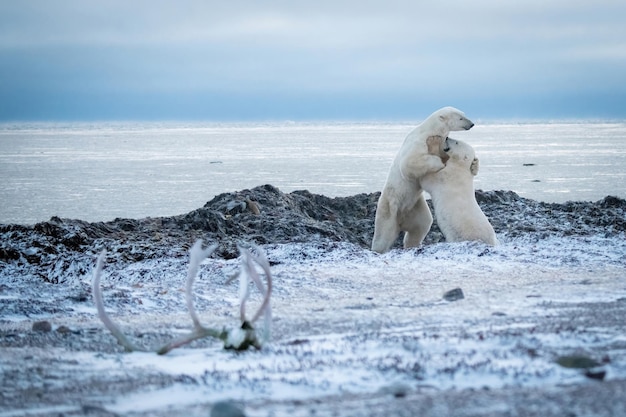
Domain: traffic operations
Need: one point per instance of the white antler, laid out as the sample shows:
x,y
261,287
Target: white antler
x,y
246,335
260,259
196,256
240,338
108,323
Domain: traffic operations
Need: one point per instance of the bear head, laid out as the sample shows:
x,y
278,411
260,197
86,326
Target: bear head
x,y
453,119
459,152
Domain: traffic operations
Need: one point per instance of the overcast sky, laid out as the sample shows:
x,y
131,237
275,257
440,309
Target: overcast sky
x,y
297,60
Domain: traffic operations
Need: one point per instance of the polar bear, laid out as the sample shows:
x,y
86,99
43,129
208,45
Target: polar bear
x,y
401,206
452,191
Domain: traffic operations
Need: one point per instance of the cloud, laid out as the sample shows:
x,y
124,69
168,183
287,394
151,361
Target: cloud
x,y
390,50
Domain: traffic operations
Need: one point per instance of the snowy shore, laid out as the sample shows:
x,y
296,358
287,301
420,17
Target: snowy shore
x,y
354,333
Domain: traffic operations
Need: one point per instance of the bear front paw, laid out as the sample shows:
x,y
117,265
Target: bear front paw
x,y
474,167
435,147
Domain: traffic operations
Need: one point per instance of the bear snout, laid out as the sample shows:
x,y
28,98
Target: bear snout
x,y
468,127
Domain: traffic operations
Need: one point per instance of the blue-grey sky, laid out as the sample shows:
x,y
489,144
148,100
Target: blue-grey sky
x,y
293,60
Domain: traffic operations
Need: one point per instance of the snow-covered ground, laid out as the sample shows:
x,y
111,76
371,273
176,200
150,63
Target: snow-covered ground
x,y
354,333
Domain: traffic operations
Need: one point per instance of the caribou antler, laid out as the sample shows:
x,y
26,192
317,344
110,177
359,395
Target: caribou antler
x,y
249,272
97,297
240,338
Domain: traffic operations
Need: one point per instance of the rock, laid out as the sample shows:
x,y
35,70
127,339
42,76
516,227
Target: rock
x,y
592,368
226,409
612,201
42,326
64,330
577,362
454,295
9,254
598,374
253,206
79,298
397,389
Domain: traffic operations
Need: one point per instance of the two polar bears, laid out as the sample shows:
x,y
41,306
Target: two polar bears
x,y
427,160
452,191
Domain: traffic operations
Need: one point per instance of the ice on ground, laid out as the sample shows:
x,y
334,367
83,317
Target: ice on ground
x,y
346,322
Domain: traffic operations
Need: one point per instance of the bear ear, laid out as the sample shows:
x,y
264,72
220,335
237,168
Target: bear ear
x,y
442,117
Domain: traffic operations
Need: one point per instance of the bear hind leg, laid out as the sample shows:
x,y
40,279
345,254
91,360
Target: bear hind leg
x,y
386,229
417,224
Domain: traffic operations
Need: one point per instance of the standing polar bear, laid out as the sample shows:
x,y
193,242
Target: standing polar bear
x,y
402,206
452,191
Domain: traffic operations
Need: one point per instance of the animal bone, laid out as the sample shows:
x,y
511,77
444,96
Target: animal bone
x,y
240,338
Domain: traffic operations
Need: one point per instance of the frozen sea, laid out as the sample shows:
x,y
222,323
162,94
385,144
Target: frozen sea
x,y
100,171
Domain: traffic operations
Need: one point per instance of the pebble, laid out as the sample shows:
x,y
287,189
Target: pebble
x,y
64,330
598,374
592,368
397,389
42,326
226,409
577,362
454,295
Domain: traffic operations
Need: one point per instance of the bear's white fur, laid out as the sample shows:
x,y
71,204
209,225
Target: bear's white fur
x,y
402,206
452,191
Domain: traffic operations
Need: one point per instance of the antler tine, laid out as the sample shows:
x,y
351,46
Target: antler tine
x,y
247,271
244,288
265,308
197,333
196,256
97,296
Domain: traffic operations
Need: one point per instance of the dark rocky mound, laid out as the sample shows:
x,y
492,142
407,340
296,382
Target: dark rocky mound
x,y
265,215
